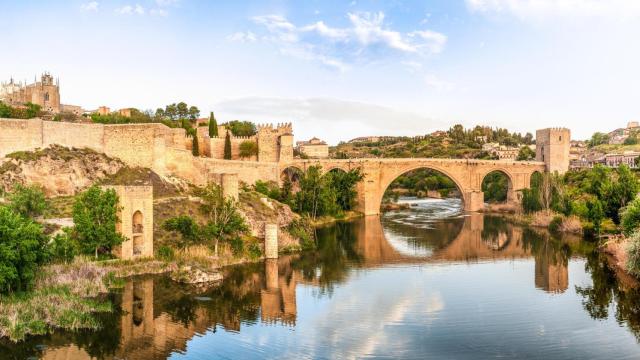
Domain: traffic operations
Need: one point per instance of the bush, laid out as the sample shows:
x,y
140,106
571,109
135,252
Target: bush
x,y
28,201
248,148
165,253
22,251
237,245
64,247
303,231
633,254
556,223
185,226
630,217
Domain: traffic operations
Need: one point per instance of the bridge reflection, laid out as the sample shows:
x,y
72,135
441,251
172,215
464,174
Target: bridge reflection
x,y
158,317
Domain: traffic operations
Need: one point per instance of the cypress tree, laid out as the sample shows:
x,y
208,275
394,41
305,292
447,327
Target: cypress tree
x,y
195,148
213,126
227,146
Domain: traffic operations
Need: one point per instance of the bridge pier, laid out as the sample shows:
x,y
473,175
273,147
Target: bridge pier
x,y
473,200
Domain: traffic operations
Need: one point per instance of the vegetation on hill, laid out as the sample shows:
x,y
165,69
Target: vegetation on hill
x,y
28,111
457,142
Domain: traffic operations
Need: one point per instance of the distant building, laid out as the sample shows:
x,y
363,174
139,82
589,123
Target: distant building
x,y
616,159
618,136
366,139
502,152
45,93
103,110
126,112
314,148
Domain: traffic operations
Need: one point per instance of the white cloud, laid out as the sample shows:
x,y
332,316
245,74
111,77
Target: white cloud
x,y
131,9
242,37
159,12
90,6
368,38
333,119
540,9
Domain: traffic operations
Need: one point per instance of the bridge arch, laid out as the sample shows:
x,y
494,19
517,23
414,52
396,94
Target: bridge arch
x,y
388,179
510,194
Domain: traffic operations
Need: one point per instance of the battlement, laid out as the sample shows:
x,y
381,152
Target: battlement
x,y
280,128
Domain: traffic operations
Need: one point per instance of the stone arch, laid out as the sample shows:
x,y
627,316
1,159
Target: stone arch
x,y
137,230
510,192
532,177
389,179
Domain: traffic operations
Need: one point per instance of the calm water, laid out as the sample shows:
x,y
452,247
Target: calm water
x,y
428,282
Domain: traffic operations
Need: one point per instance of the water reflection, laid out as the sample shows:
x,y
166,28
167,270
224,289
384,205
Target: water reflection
x,y
157,317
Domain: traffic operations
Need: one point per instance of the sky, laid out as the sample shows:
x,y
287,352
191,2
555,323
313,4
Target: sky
x,y
341,69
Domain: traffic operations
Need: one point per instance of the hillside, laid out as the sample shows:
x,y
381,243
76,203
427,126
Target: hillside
x,y
457,143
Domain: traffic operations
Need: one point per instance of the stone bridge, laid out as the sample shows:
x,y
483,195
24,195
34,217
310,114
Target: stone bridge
x,y
467,174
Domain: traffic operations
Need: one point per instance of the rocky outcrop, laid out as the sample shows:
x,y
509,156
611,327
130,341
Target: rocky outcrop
x,y
258,210
59,170
193,275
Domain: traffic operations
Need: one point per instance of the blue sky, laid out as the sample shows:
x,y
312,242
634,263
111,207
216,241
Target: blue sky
x,y
340,69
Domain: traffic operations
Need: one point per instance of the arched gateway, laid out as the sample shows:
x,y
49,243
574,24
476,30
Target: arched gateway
x,y
467,175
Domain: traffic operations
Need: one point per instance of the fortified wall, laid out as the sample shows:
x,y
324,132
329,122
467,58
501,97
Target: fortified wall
x,y
274,143
164,150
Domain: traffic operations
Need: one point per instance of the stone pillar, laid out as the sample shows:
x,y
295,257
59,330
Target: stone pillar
x,y
229,183
271,273
473,200
271,241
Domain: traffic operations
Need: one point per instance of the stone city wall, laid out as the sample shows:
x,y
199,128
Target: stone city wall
x,y
19,135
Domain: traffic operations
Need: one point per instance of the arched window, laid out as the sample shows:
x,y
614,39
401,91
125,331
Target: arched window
x,y
46,96
137,223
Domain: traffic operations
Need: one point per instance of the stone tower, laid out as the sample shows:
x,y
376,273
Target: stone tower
x,y
552,148
135,220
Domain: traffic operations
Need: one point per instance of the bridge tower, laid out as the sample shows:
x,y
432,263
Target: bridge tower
x,y
552,148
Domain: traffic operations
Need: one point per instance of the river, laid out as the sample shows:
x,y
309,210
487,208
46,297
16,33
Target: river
x,y
428,282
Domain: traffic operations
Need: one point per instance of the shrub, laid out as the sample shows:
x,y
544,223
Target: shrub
x,y
165,253
186,227
237,245
633,254
22,251
303,231
630,217
28,201
64,247
248,148
556,223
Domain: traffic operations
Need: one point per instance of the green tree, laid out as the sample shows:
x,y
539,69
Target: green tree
x,y
185,226
95,218
227,146
495,186
64,246
28,201
316,196
182,110
526,154
598,138
224,222
595,214
242,128
344,184
213,126
248,148
193,112
195,147
22,251
630,217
